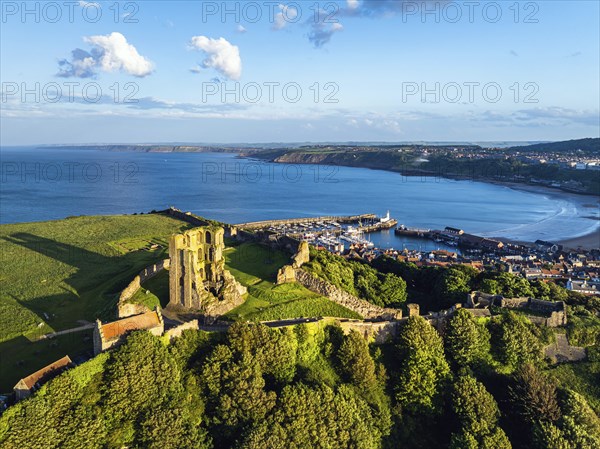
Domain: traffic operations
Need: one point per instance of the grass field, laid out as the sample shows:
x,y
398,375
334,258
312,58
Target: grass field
x,y
256,266
55,273
154,291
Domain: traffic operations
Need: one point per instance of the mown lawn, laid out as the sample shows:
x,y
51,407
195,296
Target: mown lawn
x,y
55,273
256,266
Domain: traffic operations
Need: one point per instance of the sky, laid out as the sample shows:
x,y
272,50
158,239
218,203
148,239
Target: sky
x,y
354,70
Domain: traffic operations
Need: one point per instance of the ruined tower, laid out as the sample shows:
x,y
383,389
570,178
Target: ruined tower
x,y
197,276
197,265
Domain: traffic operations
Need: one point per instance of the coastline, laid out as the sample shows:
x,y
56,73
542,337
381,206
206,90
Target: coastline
x,y
587,241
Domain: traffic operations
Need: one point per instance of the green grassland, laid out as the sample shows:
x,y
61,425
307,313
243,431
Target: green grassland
x,y
256,266
154,292
54,274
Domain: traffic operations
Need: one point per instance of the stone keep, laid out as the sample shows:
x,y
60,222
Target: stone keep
x,y
196,267
198,280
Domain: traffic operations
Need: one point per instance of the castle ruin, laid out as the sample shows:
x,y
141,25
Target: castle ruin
x,y
197,277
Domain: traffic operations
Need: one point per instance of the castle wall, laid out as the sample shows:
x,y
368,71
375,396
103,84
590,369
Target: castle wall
x,y
360,306
188,217
380,332
125,309
176,332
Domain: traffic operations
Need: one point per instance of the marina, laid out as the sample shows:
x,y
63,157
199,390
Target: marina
x,y
330,232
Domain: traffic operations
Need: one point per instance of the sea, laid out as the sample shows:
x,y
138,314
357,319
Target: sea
x,y
40,184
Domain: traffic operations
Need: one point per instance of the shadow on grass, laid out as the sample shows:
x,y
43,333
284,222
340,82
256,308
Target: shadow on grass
x,y
256,260
89,292
22,356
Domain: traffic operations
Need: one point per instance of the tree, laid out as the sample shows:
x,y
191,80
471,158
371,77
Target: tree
x,y
516,344
454,284
235,390
170,428
534,395
578,427
141,375
360,370
477,414
490,286
392,290
467,342
316,417
356,363
274,350
423,367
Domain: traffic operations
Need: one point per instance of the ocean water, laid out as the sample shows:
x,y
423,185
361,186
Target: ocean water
x,y
47,184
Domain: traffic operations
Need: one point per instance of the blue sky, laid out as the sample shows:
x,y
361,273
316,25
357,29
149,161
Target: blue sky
x,y
303,71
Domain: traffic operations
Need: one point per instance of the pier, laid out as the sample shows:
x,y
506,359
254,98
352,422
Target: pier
x,y
304,220
380,226
412,232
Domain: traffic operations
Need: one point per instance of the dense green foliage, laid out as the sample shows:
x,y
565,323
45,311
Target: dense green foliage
x,y
477,412
359,279
467,341
254,388
436,288
517,343
310,385
423,370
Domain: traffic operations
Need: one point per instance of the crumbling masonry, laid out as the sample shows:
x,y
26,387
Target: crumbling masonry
x,y
197,276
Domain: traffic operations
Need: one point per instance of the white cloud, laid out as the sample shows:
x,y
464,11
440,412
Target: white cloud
x,y
352,4
286,15
85,4
109,53
241,29
221,55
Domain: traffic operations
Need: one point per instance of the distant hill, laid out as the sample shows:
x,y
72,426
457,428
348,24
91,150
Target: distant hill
x,y
587,145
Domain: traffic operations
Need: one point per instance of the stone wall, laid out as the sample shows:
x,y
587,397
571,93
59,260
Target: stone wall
x,y
381,331
188,217
360,306
513,303
175,332
555,310
123,308
128,309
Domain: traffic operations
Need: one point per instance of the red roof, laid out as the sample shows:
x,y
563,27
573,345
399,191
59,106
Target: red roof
x,y
115,329
34,378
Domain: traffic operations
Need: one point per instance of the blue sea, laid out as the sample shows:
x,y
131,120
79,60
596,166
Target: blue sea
x,y
49,184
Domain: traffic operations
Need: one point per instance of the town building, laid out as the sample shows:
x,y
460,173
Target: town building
x,y
584,287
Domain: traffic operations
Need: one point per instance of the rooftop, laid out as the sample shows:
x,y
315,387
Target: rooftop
x,y
34,378
115,329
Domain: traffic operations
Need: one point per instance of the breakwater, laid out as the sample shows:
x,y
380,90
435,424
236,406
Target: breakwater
x,y
305,220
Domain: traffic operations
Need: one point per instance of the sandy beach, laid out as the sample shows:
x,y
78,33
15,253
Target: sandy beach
x,y
590,241
590,202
